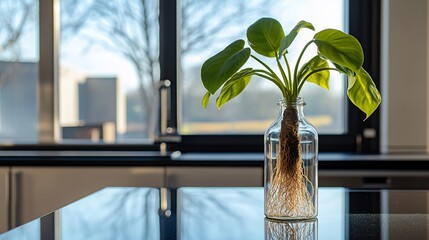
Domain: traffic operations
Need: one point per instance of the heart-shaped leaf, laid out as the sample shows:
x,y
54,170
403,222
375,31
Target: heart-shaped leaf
x,y
363,93
320,78
288,39
234,86
265,35
219,68
206,99
340,48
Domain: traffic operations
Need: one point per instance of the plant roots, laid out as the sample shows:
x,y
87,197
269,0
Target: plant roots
x,y
288,195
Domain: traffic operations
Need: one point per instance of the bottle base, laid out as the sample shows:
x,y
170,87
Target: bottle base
x,y
291,218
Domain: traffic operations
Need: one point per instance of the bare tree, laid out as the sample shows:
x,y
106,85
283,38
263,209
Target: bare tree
x,y
130,28
14,18
203,22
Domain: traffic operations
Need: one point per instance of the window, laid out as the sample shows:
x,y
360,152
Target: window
x,y
204,33
113,57
109,69
338,121
19,58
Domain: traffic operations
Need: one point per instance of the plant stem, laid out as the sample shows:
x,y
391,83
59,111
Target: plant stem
x,y
301,84
285,79
274,76
301,72
288,69
295,73
269,74
266,66
261,73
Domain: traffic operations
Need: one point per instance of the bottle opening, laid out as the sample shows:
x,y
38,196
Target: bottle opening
x,y
296,102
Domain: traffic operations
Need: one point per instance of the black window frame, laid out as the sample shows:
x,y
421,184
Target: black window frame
x,y
364,21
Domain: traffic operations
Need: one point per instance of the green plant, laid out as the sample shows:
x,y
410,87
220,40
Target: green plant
x,y
336,51
266,37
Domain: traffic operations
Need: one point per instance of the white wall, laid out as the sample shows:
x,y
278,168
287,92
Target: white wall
x,y
405,113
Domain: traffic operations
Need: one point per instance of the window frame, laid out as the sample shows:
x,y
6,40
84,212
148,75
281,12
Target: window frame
x,y
364,22
367,30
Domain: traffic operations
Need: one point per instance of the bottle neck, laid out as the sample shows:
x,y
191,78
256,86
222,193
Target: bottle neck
x,y
298,104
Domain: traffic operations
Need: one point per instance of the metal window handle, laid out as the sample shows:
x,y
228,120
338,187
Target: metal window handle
x,y
165,203
164,91
167,133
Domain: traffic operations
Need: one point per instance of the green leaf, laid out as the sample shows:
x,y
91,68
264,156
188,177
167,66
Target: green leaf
x,y
340,48
344,70
234,86
265,35
206,100
363,93
320,78
288,39
219,68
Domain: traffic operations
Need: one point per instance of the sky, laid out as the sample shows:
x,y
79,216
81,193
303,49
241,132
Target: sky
x,y
96,61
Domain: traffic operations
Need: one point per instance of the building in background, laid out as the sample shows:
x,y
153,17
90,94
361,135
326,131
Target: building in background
x,y
18,101
98,108
90,108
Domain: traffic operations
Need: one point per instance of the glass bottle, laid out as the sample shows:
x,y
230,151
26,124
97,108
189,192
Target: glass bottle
x,y
290,173
296,230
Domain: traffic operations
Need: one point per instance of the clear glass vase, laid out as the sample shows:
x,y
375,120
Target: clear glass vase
x,y
291,149
294,230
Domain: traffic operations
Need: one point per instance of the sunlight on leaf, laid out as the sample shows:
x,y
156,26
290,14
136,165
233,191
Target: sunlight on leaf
x,y
344,70
219,68
288,39
234,86
363,93
206,99
320,78
265,36
340,48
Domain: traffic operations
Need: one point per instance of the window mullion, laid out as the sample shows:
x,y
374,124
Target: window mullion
x,y
49,22
168,60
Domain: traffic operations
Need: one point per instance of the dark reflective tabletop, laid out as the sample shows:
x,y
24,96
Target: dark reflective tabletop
x,y
230,213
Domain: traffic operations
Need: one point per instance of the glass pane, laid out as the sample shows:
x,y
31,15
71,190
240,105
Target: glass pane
x,y
19,57
204,33
108,69
113,213
28,231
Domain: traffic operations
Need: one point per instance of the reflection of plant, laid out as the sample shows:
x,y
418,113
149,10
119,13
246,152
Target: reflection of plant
x,y
291,230
337,51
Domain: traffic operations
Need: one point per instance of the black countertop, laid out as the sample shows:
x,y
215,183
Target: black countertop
x,y
417,162
231,213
